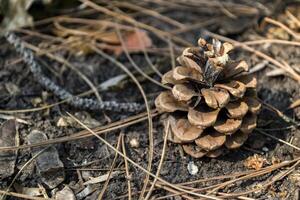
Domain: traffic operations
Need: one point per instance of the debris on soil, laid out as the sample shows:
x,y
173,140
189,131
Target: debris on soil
x,y
48,164
89,189
15,14
101,178
255,162
79,40
192,168
84,117
134,42
65,65
8,134
65,193
31,191
134,143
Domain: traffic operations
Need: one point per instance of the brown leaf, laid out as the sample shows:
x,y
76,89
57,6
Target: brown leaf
x,y
134,42
255,162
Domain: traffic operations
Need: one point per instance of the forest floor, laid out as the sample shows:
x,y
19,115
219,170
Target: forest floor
x,y
276,172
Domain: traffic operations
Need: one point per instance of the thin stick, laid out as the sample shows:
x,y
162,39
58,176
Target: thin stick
x,y
126,168
150,127
150,12
284,27
23,196
272,41
110,171
84,134
289,70
171,50
130,20
277,139
160,162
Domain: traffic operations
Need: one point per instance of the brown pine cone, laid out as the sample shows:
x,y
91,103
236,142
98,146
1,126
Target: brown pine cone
x,y
212,105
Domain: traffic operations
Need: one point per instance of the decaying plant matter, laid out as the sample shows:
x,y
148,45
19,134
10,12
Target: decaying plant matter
x,y
212,105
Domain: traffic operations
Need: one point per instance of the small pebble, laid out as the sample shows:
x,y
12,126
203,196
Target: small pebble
x,y
265,149
192,168
134,143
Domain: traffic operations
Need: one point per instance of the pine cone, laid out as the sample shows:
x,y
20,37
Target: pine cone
x,y
212,105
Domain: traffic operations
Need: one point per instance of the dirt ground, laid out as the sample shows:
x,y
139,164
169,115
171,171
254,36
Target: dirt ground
x,y
89,157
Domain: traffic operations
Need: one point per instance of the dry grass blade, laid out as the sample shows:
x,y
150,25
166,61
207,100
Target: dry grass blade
x,y
126,168
160,162
272,41
277,139
161,34
150,126
150,12
277,177
252,175
287,69
284,27
83,134
236,177
23,196
110,171
134,64
279,113
172,55
146,54
140,167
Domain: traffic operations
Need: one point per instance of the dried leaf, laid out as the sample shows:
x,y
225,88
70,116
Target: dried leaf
x,y
135,41
255,162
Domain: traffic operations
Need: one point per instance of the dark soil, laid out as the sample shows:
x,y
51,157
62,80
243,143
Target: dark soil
x,y
91,153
